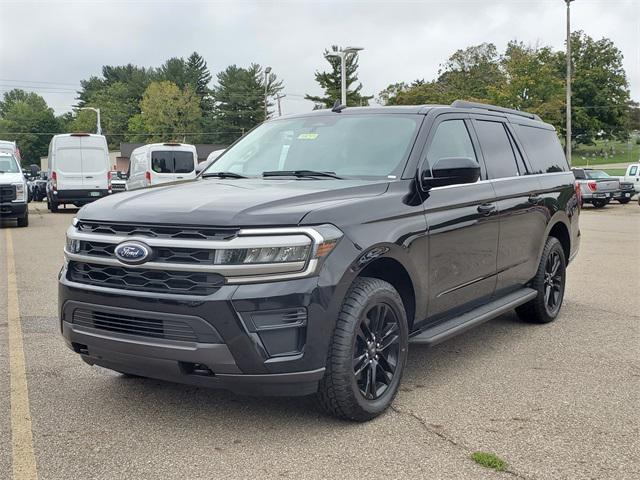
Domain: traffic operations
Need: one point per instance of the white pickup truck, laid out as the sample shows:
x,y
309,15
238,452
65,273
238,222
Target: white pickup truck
x,y
632,175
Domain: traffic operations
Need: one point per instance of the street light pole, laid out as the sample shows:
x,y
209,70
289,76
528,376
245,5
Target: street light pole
x,y
266,90
98,125
568,113
342,54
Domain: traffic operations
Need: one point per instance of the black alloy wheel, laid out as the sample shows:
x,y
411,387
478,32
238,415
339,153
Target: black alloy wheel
x,y
553,282
376,351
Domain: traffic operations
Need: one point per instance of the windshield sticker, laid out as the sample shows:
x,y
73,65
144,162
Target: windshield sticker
x,y
307,136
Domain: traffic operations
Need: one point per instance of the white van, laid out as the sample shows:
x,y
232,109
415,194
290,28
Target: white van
x,y
79,170
159,163
10,147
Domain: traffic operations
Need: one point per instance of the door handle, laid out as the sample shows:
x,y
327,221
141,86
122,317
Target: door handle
x,y
179,178
535,199
486,208
88,177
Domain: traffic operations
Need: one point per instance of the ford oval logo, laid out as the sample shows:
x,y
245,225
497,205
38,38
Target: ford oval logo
x,y
132,252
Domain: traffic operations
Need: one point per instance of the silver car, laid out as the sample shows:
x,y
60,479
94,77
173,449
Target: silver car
x,y
597,187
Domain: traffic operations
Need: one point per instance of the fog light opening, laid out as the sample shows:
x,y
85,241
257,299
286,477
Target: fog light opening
x,y
197,369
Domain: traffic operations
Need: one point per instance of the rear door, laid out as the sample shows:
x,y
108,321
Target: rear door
x,y
95,163
462,226
520,211
67,163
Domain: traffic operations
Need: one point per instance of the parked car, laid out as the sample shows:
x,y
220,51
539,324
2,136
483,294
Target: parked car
x,y
625,193
597,187
40,186
212,157
118,181
159,163
79,170
305,258
14,191
632,175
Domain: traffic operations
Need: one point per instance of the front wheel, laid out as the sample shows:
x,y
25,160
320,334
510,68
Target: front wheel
x,y
599,203
549,282
24,221
368,352
624,201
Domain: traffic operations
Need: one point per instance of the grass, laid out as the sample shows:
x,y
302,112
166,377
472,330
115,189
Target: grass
x,y
604,152
489,460
616,172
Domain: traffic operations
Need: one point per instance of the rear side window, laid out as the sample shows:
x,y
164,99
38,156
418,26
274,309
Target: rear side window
x,y
183,162
451,140
633,170
543,149
579,174
496,148
172,162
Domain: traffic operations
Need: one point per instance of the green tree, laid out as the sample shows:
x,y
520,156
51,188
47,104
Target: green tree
x,y
600,90
239,101
331,82
26,119
167,114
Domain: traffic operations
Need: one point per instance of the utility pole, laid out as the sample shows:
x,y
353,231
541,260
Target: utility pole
x,y
342,54
278,97
568,114
266,90
98,125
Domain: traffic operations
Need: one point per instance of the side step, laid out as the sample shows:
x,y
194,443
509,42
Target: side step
x,y
450,328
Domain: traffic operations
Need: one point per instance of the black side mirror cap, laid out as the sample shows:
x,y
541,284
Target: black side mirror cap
x,y
451,171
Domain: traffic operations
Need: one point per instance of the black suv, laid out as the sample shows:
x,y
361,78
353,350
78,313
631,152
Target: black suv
x,y
318,246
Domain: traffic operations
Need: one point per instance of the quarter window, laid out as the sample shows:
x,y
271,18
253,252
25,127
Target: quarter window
x,y
451,140
633,170
496,148
543,149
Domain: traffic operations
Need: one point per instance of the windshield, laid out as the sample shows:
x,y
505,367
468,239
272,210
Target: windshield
x,y
595,174
347,145
8,164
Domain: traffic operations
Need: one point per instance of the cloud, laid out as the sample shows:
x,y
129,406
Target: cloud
x,y
62,42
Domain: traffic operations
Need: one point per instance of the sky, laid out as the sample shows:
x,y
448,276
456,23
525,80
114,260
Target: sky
x,y
49,46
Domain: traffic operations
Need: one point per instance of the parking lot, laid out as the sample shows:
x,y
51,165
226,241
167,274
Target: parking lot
x,y
554,401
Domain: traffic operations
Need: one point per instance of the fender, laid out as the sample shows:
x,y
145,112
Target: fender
x,y
558,217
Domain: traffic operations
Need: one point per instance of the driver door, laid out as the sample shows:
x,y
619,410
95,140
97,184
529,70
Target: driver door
x,y
462,225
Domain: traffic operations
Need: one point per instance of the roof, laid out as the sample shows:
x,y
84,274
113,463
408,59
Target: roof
x,y
203,149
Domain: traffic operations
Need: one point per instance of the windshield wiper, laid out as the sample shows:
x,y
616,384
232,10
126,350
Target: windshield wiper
x,y
300,173
222,175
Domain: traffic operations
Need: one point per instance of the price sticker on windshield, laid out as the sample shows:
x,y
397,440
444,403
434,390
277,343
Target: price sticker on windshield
x,y
307,136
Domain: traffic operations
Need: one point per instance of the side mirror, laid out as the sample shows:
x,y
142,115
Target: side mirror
x,y
451,171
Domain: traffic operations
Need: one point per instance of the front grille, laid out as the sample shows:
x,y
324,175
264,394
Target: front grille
x,y
145,280
132,325
7,193
118,187
189,256
157,231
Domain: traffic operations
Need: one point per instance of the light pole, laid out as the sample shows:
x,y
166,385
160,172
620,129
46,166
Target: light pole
x,y
342,54
266,89
97,110
568,114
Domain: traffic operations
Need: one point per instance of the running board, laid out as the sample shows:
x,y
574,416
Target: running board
x,y
450,328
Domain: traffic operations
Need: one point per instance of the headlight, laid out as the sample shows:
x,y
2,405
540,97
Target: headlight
x,y
261,255
72,245
20,192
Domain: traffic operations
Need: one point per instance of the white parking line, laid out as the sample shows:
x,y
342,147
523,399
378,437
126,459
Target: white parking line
x,y
22,454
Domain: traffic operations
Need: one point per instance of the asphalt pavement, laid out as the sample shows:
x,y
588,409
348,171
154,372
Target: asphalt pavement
x,y
557,401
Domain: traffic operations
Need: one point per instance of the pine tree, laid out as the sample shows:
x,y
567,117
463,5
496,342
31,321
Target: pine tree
x,y
331,82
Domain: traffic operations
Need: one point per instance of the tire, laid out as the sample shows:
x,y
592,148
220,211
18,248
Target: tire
x,y
540,309
24,221
343,392
52,206
624,201
599,203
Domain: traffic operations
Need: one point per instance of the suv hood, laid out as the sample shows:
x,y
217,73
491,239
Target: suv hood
x,y
230,202
11,178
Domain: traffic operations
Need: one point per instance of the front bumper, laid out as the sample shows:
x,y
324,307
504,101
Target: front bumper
x,y
255,345
13,210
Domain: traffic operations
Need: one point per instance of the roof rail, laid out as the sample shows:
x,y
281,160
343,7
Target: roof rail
x,y
492,108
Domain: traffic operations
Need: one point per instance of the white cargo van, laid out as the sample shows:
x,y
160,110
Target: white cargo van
x,y
158,163
79,170
10,147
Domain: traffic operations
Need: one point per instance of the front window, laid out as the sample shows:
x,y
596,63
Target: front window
x,y
8,164
347,145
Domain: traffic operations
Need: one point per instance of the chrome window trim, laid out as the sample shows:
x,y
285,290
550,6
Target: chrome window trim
x,y
529,176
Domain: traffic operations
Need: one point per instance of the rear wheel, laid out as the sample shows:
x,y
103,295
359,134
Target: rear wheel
x,y
367,354
599,203
52,206
549,282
